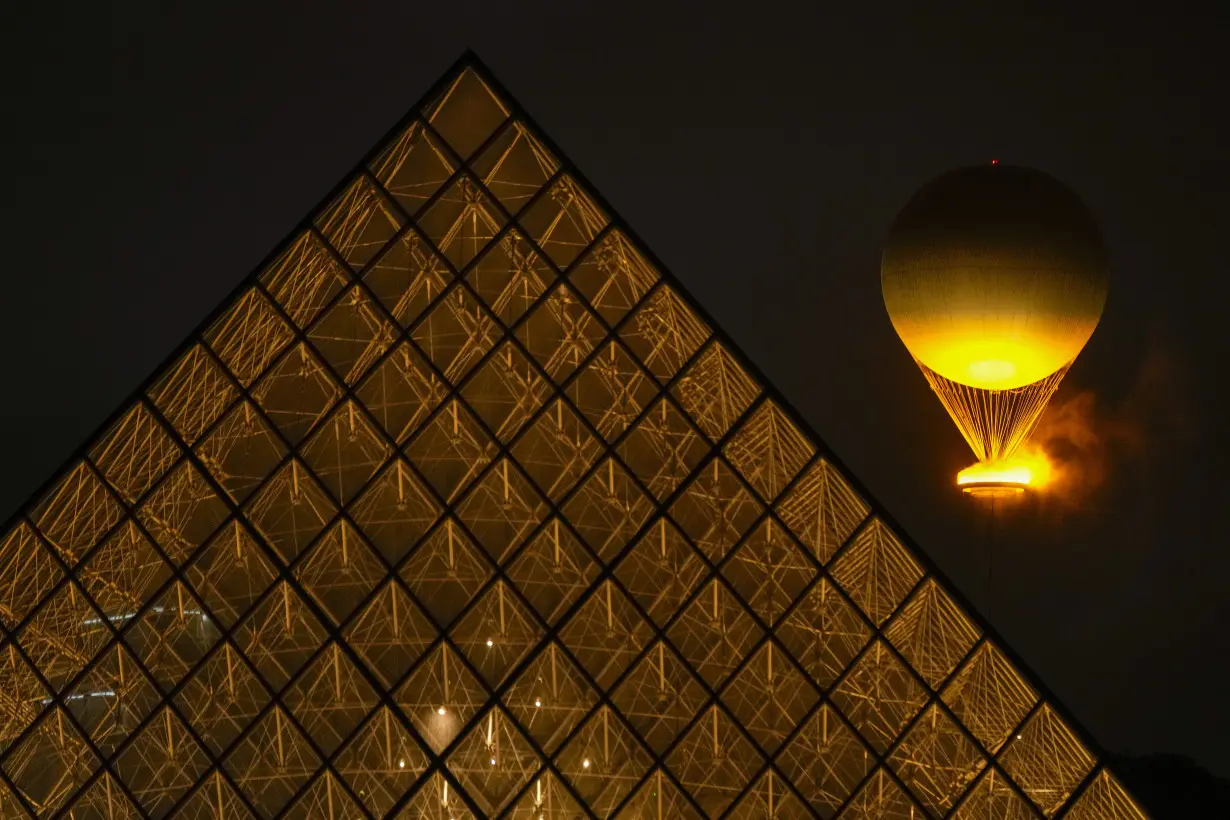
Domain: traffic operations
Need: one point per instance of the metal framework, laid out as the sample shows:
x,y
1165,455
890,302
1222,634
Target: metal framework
x,y
461,508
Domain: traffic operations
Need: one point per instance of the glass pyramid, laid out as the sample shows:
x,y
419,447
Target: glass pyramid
x,y
461,508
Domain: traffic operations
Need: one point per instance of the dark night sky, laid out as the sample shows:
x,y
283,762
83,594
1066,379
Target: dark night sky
x,y
158,152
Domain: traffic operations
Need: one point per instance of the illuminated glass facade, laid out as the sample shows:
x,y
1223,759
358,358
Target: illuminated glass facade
x,y
461,508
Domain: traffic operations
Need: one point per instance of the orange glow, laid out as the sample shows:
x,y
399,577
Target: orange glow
x,y
1029,469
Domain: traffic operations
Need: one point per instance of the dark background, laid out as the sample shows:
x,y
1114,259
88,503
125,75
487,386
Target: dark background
x,y
157,151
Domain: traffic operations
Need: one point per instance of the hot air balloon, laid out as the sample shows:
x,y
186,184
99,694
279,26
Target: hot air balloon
x,y
994,277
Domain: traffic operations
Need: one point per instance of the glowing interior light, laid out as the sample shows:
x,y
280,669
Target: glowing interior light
x,y
441,711
537,702
493,761
1029,469
490,642
585,763
401,764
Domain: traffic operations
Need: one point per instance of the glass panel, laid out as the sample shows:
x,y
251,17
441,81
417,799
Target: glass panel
x,y
413,167
134,453
613,276
304,278
249,336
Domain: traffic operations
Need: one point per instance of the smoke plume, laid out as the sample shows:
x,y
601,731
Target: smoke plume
x,y
1092,441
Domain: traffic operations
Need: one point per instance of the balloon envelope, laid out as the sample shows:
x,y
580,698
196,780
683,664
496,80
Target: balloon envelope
x,y
994,276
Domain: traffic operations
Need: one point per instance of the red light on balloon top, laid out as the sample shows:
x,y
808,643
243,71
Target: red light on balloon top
x,y
995,162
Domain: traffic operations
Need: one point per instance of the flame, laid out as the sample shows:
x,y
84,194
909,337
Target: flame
x,y
1029,468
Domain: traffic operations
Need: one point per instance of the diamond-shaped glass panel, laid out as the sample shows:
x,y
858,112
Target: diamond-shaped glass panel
x,y
876,571
556,450
296,392
493,761
162,763
172,635
381,762
290,510
304,278
193,393
241,451
63,635
346,451
441,697
553,571
662,449
604,761
879,696
613,275
506,391
824,633
989,696
1046,760
340,571
509,277
134,453
768,450
932,633
995,796
826,760
391,633
714,633
769,697
466,113
661,571
28,571
659,798
330,698
606,634
456,334
400,392
936,760
76,513
249,336
714,762
359,222
514,166
222,698
563,220
559,333
822,510
182,513
612,390
280,635
660,697
408,277
496,634
22,697
446,572
123,573
550,698
413,167
272,762
394,511
230,573
501,509
715,390
880,796
461,222
451,450
608,509
768,570
1105,799
352,335
715,509
664,332
49,764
